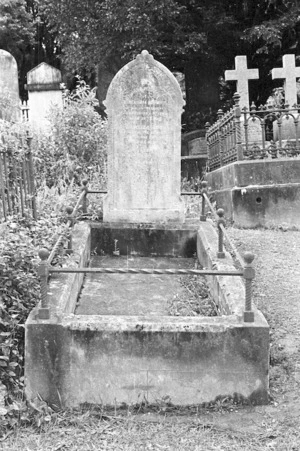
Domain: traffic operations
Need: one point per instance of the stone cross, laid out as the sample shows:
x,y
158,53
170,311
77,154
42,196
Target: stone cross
x,y
43,85
144,106
289,72
242,75
9,88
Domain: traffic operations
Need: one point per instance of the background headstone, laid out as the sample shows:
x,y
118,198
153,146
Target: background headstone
x,y
43,84
9,88
198,146
144,106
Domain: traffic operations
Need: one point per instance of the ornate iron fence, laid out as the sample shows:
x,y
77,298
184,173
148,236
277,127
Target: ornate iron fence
x,y
17,188
253,134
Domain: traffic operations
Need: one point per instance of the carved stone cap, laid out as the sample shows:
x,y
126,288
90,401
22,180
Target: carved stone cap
x,y
43,78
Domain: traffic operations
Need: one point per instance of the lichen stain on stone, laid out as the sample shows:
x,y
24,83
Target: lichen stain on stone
x,y
138,387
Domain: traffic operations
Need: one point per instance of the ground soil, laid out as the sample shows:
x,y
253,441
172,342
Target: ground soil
x,y
224,425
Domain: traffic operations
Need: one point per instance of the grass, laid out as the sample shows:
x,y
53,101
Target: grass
x,y
196,299
93,429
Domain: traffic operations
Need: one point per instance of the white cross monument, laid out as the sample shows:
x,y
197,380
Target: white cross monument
x,y
289,72
242,75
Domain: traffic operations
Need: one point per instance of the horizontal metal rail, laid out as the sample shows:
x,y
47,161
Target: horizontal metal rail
x,y
58,243
146,271
183,193
191,193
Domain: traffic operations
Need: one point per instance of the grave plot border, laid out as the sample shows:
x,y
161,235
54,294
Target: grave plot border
x,y
71,359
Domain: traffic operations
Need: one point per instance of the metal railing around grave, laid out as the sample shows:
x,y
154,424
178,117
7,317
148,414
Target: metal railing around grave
x,y
242,134
17,187
246,271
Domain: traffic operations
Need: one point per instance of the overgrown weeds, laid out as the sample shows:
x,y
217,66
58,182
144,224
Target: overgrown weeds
x,y
20,241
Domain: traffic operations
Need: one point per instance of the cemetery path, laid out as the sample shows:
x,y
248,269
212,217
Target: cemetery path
x,y
276,293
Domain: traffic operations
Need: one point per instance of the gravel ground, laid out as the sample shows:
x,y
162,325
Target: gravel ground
x,y
225,426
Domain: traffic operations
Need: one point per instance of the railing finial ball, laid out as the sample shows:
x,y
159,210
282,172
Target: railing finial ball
x,y
220,212
44,254
248,257
204,183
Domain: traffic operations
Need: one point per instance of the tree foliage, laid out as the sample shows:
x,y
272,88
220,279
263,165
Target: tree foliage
x,y
27,35
16,26
198,38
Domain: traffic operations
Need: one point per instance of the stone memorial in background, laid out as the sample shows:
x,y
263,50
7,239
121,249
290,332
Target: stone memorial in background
x,y
144,106
43,85
242,75
289,73
9,88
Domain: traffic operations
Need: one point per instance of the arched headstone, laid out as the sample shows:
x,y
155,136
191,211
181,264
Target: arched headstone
x,y
9,88
144,106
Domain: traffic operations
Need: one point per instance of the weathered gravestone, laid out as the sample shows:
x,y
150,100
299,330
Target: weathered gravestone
x,y
144,106
43,84
9,88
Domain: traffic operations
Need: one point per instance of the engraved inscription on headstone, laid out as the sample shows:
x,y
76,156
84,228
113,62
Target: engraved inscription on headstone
x,y
144,106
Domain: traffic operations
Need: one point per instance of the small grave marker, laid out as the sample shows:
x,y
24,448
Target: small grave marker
x,y
144,106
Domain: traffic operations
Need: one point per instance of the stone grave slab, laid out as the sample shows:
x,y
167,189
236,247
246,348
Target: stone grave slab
x,y
144,106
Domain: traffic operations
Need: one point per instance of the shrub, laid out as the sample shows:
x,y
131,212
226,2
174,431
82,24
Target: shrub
x,y
76,145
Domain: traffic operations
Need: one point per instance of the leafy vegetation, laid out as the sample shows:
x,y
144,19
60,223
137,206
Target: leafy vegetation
x,y
73,148
20,241
76,146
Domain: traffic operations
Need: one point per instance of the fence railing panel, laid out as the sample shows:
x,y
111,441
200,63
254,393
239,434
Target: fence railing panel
x,y
17,187
253,134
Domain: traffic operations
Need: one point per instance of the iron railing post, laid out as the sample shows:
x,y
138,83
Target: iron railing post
x,y
220,114
203,192
31,178
249,274
207,126
70,218
238,131
84,200
43,272
221,221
